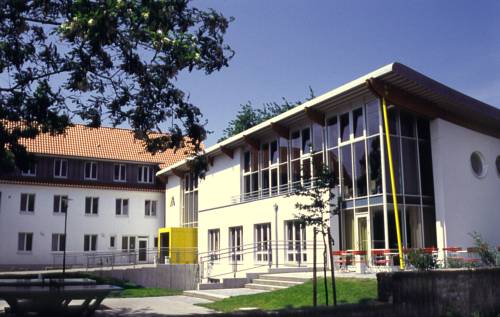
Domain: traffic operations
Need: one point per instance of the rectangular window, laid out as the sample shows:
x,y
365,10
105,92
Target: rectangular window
x,y
360,168
306,141
214,244
333,164
274,152
60,168
128,244
262,237
90,242
345,130
91,205
25,241
121,207
190,201
410,166
27,203
251,174
317,131
407,124
357,122
333,132
60,204
295,241
120,173
58,242
150,208
346,163
378,227
295,145
236,243
374,166
264,157
31,171
112,242
372,117
145,174
90,171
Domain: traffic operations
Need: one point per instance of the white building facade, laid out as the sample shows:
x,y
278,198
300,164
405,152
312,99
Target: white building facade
x,y
446,156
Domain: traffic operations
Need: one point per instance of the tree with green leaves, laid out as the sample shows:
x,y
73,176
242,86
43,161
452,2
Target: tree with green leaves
x,y
249,115
318,202
99,60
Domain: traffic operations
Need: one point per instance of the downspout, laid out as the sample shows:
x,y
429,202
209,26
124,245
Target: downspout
x,y
382,97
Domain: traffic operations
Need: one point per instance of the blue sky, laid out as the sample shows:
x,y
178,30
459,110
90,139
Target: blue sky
x,y
282,47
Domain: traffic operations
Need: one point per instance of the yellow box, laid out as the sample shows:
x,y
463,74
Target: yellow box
x,y
178,245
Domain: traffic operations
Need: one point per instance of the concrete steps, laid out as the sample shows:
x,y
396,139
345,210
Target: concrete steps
x,y
272,282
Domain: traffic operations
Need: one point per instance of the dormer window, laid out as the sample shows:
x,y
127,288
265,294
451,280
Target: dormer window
x,y
145,174
60,168
31,171
120,174
90,171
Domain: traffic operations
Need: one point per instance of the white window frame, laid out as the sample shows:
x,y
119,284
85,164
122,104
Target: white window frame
x,y
122,173
112,238
90,237
150,208
214,244
59,242
145,174
28,197
91,209
189,209
24,248
129,245
262,247
63,202
235,249
93,167
30,172
59,173
122,211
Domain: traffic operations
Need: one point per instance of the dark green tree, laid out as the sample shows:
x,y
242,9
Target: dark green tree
x,y
249,116
101,60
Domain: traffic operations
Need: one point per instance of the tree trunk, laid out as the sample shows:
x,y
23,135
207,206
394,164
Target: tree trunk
x,y
325,247
315,277
334,289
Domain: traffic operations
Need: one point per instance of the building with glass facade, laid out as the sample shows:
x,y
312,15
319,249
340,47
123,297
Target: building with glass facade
x,y
444,148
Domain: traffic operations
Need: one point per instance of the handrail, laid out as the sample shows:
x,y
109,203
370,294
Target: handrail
x,y
273,191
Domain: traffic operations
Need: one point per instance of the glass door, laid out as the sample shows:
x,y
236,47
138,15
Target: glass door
x,y
362,233
143,250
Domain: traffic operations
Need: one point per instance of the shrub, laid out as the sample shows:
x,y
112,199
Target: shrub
x,y
488,256
422,261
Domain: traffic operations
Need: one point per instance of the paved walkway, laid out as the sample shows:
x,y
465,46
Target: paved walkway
x,y
218,294
152,306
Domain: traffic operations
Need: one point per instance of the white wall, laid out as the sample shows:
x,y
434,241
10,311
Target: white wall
x,y
44,222
464,202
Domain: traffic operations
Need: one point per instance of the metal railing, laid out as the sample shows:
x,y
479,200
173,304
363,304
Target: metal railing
x,y
284,189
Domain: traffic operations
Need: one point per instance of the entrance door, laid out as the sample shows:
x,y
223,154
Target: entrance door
x,y
362,235
296,243
143,250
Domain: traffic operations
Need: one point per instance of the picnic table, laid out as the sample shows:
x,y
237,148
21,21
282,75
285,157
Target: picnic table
x,y
52,299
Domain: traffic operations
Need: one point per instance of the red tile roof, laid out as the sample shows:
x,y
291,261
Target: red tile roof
x,y
101,143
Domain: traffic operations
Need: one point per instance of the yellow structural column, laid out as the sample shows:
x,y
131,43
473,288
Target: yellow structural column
x,y
393,184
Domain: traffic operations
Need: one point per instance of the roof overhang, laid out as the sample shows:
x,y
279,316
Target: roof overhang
x,y
399,84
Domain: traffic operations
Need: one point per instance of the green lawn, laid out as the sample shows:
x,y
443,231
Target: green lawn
x,y
348,291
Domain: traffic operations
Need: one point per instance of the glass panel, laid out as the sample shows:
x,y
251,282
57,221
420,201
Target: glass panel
x,y
374,166
426,168
391,223
274,152
407,124
392,114
246,162
306,141
429,227
306,170
344,127
254,160
295,145
362,234
360,168
317,163
265,155
348,229
31,202
296,171
378,228
283,150
265,179
357,122
346,171
424,131
317,137
57,203
283,174
333,164
396,159
255,182
246,184
413,227
333,132
20,241
95,205
372,120
410,165
274,179
54,242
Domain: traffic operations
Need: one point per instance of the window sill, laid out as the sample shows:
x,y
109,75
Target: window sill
x,y
27,212
25,252
91,215
90,179
58,214
61,177
122,216
119,181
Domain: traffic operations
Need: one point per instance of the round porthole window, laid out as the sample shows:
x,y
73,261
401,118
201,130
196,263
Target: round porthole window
x,y
477,163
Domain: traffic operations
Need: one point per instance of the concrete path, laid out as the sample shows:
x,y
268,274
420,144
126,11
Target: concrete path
x,y
218,294
152,306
